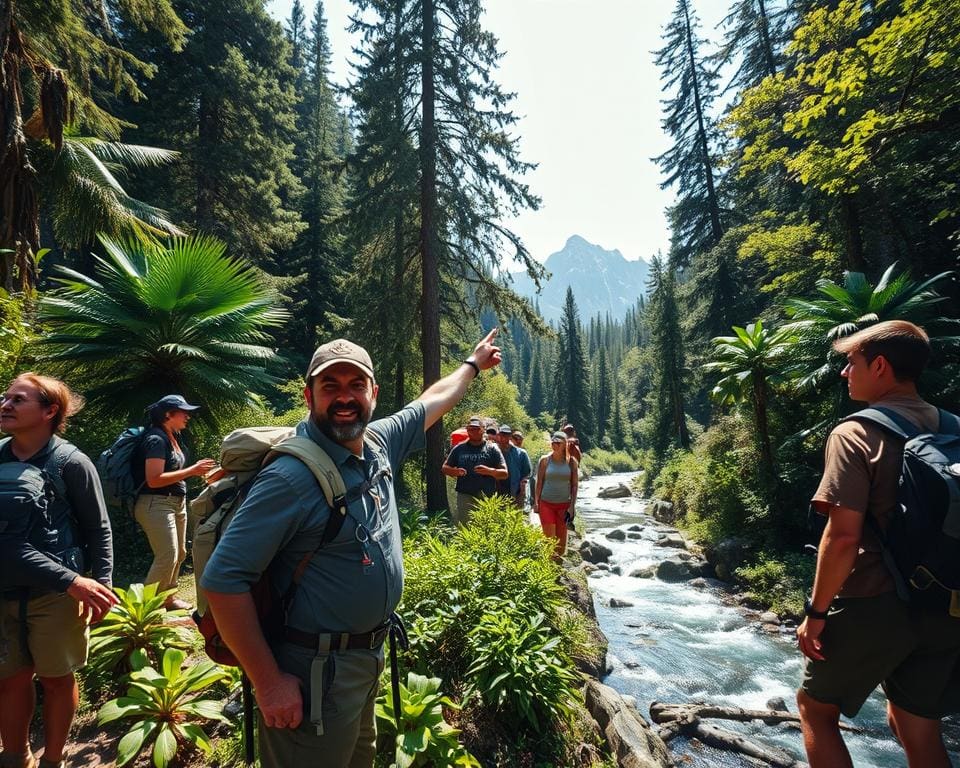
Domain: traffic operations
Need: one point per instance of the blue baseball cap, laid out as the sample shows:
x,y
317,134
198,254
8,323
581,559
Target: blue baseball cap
x,y
174,401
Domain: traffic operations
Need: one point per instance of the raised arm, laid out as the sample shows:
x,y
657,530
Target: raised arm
x,y
442,395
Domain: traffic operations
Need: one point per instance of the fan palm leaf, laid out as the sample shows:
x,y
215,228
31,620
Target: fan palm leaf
x,y
85,196
181,317
842,310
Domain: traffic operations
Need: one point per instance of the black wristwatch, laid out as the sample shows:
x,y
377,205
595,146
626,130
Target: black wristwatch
x,y
473,364
808,610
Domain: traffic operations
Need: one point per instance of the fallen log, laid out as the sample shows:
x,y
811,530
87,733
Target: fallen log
x,y
662,713
713,736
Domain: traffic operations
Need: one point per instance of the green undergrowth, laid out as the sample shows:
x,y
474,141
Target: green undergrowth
x,y
598,461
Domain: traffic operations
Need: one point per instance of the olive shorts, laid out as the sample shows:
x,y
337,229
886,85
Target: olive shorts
x,y
57,637
870,641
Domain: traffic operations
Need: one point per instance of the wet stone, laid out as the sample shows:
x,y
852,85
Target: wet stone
x,y
617,535
635,528
617,603
644,572
769,617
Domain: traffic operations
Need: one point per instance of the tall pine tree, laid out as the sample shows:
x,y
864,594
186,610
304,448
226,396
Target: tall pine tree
x,y
572,375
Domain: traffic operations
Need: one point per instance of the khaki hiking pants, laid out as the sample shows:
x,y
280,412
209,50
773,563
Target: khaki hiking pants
x,y
164,521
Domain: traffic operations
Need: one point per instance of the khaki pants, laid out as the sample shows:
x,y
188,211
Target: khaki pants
x,y
465,506
164,521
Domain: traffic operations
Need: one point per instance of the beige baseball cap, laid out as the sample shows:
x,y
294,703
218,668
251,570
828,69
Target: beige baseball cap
x,y
340,351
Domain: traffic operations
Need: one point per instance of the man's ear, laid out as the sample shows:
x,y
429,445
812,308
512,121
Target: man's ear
x,y
52,410
308,395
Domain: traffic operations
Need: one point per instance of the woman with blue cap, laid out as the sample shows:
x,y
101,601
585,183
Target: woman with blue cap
x,y
161,508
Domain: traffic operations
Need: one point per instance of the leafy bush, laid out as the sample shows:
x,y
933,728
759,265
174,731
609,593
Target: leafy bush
x,y
137,623
425,738
597,461
162,704
518,669
781,581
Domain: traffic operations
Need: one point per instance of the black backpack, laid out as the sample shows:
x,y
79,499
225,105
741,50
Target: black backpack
x,y
27,496
921,546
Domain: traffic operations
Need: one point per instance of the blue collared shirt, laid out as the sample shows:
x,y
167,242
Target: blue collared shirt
x,y
285,514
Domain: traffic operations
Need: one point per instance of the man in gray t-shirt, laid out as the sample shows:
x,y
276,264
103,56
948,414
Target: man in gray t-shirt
x,y
316,689
478,465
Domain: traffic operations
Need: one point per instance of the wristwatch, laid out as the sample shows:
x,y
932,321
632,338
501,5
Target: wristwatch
x,y
808,610
473,364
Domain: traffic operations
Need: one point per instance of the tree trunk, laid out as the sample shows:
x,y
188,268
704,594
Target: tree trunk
x,y
716,231
765,37
760,416
852,234
20,209
207,138
430,262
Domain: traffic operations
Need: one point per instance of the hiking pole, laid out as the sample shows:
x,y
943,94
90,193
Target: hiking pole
x,y
247,695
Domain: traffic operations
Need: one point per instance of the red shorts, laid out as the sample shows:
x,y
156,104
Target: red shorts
x,y
553,513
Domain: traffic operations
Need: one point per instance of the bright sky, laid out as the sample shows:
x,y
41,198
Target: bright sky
x,y
588,94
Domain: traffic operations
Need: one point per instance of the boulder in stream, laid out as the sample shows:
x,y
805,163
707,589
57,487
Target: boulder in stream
x,y
727,555
618,491
634,535
674,570
594,552
777,704
630,739
644,572
635,528
617,535
769,617
672,540
617,603
662,510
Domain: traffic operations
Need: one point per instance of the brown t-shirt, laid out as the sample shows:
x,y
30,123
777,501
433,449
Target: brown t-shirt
x,y
862,472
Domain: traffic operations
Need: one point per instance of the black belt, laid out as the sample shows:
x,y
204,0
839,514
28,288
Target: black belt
x,y
338,641
163,493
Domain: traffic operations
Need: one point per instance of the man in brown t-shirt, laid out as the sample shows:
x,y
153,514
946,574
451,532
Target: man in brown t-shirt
x,y
857,633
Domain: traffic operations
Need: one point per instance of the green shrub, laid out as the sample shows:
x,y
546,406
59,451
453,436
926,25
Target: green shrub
x,y
598,461
425,738
780,581
518,669
163,704
137,623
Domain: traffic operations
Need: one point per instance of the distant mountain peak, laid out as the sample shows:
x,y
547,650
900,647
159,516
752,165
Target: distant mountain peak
x,y
603,281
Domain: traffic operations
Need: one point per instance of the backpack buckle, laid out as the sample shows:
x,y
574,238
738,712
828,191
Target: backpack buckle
x,y
921,579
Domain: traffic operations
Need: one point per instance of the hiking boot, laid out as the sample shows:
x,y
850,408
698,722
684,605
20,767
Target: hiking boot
x,y
17,760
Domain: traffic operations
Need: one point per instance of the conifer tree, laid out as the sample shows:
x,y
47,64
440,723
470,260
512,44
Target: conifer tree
x,y
235,179
571,374
689,164
602,394
617,431
666,341
753,38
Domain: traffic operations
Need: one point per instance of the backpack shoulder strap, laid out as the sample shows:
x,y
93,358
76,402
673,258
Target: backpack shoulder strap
x,y
949,423
60,454
318,462
887,419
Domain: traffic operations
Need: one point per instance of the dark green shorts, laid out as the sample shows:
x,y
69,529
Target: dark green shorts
x,y
870,641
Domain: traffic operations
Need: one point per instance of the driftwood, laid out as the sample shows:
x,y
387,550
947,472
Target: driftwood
x,y
667,713
686,719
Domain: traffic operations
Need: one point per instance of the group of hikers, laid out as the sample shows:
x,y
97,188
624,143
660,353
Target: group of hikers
x,y
337,559
489,459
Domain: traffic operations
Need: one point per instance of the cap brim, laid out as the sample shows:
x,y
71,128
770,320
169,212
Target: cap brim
x,y
359,366
188,407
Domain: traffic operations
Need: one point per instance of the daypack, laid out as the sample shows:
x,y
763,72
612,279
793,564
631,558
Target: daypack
x,y
243,453
115,467
921,546
27,494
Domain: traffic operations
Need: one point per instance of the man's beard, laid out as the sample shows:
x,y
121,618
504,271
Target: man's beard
x,y
341,433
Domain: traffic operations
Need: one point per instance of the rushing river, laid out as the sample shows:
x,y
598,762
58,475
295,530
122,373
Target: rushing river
x,y
680,644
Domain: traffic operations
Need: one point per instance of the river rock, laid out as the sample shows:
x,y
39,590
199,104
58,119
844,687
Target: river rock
x,y
674,570
617,570
617,535
634,535
601,567
630,739
644,572
662,510
684,555
769,617
672,540
635,528
727,555
618,491
593,552
587,568
777,704
617,603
